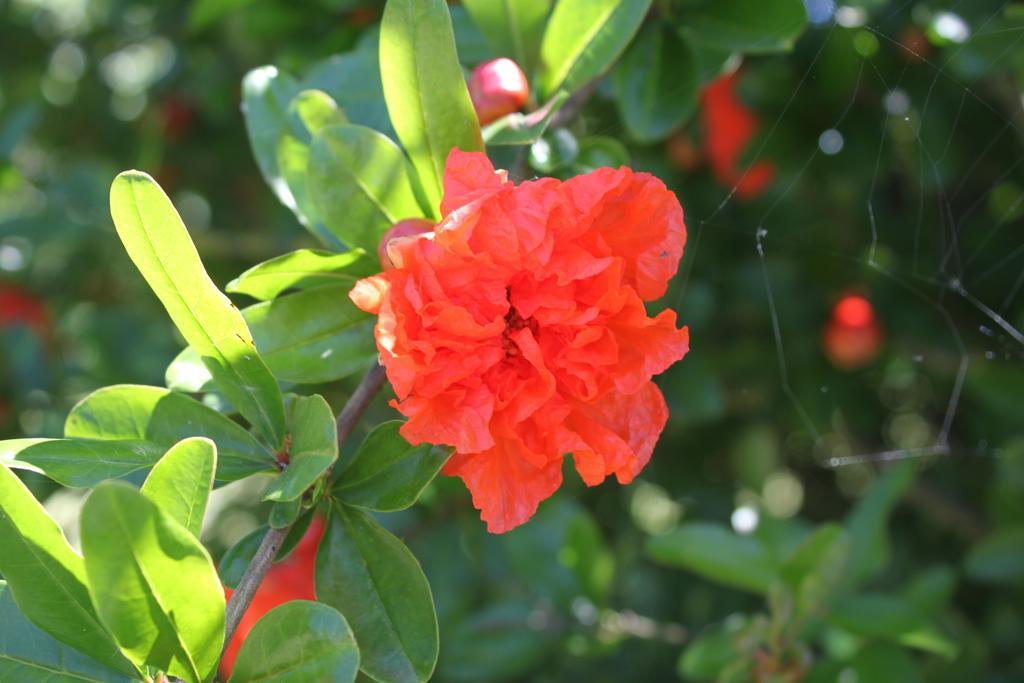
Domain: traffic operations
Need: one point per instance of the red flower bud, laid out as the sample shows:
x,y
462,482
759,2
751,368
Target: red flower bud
x,y
853,337
497,88
403,228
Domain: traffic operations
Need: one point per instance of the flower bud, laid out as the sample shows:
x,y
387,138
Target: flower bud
x,y
853,337
404,228
497,88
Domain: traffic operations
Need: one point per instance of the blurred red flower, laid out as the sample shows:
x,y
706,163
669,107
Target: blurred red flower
x,y
729,127
853,337
18,306
516,332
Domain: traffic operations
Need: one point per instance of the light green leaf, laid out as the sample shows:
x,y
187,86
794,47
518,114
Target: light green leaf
x,y
297,642
583,38
424,89
80,462
153,584
303,269
180,483
360,184
751,26
161,418
28,654
656,83
159,244
717,554
46,577
366,573
524,129
387,473
314,448
512,27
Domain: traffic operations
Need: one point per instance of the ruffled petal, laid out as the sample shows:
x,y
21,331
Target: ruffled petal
x,y
467,177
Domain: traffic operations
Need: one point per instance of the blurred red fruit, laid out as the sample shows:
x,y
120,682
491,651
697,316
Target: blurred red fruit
x,y
853,337
729,126
497,88
18,306
403,228
290,579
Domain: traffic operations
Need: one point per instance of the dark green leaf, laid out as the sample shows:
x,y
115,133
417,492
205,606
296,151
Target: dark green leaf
x,y
815,567
717,554
512,27
366,573
28,654
524,129
47,578
80,462
583,38
303,269
751,26
891,617
885,663
314,448
238,557
160,246
386,473
714,650
284,513
299,641
868,522
153,584
496,644
180,482
161,418
656,83
353,80
424,88
360,183
999,558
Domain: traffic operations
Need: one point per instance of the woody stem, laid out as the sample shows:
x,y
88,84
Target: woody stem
x,y
257,570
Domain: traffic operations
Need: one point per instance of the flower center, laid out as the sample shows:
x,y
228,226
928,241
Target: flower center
x,y
514,322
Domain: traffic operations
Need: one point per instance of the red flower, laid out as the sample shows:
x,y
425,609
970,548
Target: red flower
x,y
516,331
728,127
853,337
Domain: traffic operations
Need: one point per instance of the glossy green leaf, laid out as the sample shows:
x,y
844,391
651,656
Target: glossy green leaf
x,y
750,26
369,575
868,522
309,337
133,413
314,448
303,269
29,654
656,83
424,88
353,80
893,618
583,38
153,583
717,554
360,183
284,513
524,129
999,558
159,244
297,642
180,483
80,462
512,27
46,577
386,473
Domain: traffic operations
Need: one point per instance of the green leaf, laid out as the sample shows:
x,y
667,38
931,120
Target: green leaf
x,y
46,578
890,617
28,654
582,40
303,269
815,567
239,556
353,80
999,558
360,183
524,129
751,26
314,448
656,83
311,110
884,663
80,462
424,88
159,244
386,473
297,642
512,27
499,643
868,522
310,337
714,650
366,573
153,583
161,418
717,554
180,483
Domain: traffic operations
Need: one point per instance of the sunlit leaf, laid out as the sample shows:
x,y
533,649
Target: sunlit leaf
x,y
180,482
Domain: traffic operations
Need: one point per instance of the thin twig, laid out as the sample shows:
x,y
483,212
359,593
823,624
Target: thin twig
x,y
265,554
